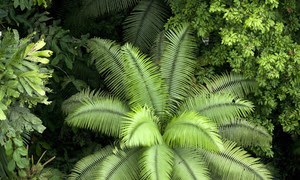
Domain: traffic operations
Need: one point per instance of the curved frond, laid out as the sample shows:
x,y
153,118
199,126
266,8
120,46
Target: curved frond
x,y
177,63
144,84
191,130
231,83
121,166
156,162
144,23
87,168
245,133
107,56
140,128
234,163
158,47
77,100
103,115
189,165
96,8
221,108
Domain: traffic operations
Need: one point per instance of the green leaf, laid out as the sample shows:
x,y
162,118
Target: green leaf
x,y
2,115
22,151
22,173
11,165
156,162
140,128
194,131
18,141
16,156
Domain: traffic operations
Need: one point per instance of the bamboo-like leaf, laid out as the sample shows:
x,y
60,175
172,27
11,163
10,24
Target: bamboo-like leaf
x,y
231,83
121,166
88,167
189,165
221,108
107,56
104,115
144,85
140,129
245,133
156,162
234,163
191,130
177,63
144,23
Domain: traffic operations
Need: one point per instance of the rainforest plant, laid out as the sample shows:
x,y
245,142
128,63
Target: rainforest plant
x,y
167,127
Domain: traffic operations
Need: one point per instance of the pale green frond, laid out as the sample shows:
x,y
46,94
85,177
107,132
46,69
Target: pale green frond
x,y
144,84
144,23
140,128
88,167
156,162
177,63
108,59
189,165
221,108
158,47
245,133
231,83
191,130
96,8
77,100
121,166
234,163
103,115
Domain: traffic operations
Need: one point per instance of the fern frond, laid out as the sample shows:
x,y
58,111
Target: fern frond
x,y
177,63
219,107
96,8
144,85
156,162
234,163
121,166
77,100
189,165
231,83
144,23
245,133
103,115
88,167
158,47
140,128
191,130
107,56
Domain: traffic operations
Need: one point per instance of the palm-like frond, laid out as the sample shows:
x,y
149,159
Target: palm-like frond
x,y
231,83
219,107
234,163
77,100
158,47
103,115
245,133
87,168
140,129
156,162
191,130
96,8
189,165
177,63
121,166
144,23
107,56
143,82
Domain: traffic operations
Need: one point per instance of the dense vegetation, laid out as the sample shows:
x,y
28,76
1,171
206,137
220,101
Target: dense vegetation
x,y
55,78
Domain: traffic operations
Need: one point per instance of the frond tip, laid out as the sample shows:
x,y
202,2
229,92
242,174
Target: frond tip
x,y
234,163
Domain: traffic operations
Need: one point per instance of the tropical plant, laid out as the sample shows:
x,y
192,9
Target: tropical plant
x,y
167,127
141,27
